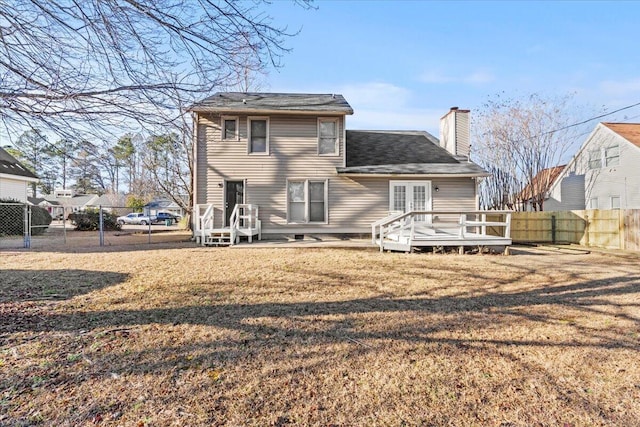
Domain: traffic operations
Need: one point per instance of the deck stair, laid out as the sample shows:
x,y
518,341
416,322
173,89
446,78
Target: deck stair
x,y
409,230
244,222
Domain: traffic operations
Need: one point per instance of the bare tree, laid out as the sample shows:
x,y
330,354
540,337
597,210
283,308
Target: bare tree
x,y
519,140
88,66
88,70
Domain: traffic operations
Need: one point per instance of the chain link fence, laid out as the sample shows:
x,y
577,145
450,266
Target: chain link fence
x,y
23,226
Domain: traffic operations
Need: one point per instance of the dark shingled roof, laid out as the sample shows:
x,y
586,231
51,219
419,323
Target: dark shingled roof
x,y
10,166
402,152
237,102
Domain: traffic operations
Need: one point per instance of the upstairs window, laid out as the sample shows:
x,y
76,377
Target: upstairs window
x,y
604,157
258,135
612,156
230,128
595,159
328,137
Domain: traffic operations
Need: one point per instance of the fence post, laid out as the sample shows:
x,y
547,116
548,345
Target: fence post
x,y
622,229
586,228
553,229
27,226
64,224
101,226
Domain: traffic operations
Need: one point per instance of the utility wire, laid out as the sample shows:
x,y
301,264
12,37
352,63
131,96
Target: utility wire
x,y
579,123
572,125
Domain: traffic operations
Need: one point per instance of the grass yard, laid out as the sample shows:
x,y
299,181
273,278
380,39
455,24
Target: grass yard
x,y
195,337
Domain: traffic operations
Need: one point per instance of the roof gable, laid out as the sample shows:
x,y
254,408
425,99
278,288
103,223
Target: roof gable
x,y
629,132
541,183
10,166
250,102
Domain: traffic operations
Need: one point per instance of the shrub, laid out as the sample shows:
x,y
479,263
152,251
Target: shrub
x,y
90,221
13,218
40,220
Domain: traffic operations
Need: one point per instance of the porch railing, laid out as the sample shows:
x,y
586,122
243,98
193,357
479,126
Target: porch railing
x,y
244,221
202,220
405,227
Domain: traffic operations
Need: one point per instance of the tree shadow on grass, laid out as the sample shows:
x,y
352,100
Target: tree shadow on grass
x,y
247,318
41,285
293,337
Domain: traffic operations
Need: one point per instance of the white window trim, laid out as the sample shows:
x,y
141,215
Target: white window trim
x,y
597,153
222,129
307,200
602,159
605,159
428,195
611,198
336,147
591,202
267,149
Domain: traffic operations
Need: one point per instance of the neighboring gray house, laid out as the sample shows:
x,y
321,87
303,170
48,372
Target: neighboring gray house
x,y
291,156
14,178
114,203
604,174
64,201
163,205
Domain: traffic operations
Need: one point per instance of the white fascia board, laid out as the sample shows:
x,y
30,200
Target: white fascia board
x,y
19,177
407,175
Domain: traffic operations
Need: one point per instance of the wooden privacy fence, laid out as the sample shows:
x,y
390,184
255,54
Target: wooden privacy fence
x,y
613,229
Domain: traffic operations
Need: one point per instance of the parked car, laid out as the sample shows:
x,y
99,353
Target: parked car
x,y
135,218
163,217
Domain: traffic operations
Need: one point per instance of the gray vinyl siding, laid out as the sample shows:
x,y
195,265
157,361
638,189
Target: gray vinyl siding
x,y
454,131
462,134
293,154
455,194
571,193
354,202
602,183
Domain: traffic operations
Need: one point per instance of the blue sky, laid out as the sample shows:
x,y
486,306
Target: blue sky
x,y
402,64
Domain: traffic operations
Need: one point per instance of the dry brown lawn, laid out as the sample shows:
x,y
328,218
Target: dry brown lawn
x,y
196,336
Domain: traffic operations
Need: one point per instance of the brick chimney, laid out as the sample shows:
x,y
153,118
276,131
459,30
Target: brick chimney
x,y
455,132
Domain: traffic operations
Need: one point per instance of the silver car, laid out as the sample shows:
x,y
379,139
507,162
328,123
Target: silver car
x,y
134,218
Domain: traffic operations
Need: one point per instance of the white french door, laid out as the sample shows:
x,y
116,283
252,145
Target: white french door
x,y
405,196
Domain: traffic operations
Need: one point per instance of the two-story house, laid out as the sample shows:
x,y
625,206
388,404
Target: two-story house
x,y
603,174
291,156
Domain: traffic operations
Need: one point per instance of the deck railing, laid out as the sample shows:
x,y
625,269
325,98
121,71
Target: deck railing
x,y
405,226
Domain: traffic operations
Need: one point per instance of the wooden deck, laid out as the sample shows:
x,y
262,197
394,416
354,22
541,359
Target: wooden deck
x,y
416,229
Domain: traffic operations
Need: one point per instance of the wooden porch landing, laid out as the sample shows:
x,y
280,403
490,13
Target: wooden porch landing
x,y
420,229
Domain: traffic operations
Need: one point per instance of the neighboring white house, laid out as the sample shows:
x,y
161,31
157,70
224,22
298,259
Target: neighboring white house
x,y
604,174
14,178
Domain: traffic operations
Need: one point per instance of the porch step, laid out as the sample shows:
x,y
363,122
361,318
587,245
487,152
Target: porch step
x,y
218,238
